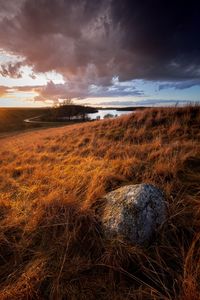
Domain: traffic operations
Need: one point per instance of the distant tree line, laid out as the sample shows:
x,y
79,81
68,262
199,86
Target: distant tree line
x,y
67,111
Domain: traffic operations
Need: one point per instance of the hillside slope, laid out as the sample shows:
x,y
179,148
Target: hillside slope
x,y
51,242
12,119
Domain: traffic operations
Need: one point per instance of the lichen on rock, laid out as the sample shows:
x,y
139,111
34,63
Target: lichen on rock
x,y
133,212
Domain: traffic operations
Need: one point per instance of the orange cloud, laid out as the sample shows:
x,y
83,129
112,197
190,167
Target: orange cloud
x,y
7,91
3,91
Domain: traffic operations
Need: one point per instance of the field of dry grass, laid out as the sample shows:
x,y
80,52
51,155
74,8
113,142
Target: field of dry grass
x,y
12,119
51,242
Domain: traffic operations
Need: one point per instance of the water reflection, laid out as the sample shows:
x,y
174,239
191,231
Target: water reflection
x,y
108,113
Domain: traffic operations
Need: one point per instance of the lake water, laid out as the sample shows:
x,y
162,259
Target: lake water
x,y
103,112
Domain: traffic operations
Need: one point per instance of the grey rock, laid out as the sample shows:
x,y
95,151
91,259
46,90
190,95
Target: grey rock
x,y
133,212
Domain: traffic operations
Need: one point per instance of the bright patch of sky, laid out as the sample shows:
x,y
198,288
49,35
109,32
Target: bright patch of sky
x,y
6,57
20,99
13,102
190,94
29,78
152,95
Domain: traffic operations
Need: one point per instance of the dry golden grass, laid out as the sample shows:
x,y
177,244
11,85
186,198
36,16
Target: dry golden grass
x,y
51,242
12,119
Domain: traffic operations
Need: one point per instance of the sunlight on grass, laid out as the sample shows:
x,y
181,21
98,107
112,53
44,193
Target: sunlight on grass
x,y
51,242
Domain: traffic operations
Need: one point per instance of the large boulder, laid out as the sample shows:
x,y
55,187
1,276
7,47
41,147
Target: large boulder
x,y
133,212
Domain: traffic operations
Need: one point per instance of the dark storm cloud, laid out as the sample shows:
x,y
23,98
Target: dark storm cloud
x,y
9,8
89,42
162,35
66,36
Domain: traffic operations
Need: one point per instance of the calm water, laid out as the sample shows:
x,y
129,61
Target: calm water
x,y
103,112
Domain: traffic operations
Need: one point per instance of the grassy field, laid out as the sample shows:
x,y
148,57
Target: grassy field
x,y
51,182
12,119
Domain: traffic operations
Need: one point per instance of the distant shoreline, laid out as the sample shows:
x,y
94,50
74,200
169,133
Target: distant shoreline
x,y
126,108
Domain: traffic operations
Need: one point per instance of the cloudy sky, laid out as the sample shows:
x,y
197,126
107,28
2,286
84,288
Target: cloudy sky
x,y
100,52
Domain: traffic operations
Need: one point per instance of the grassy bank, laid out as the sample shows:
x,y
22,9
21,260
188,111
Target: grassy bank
x,y
12,119
51,242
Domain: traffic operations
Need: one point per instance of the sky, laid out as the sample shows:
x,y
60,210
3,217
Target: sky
x,y
99,52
